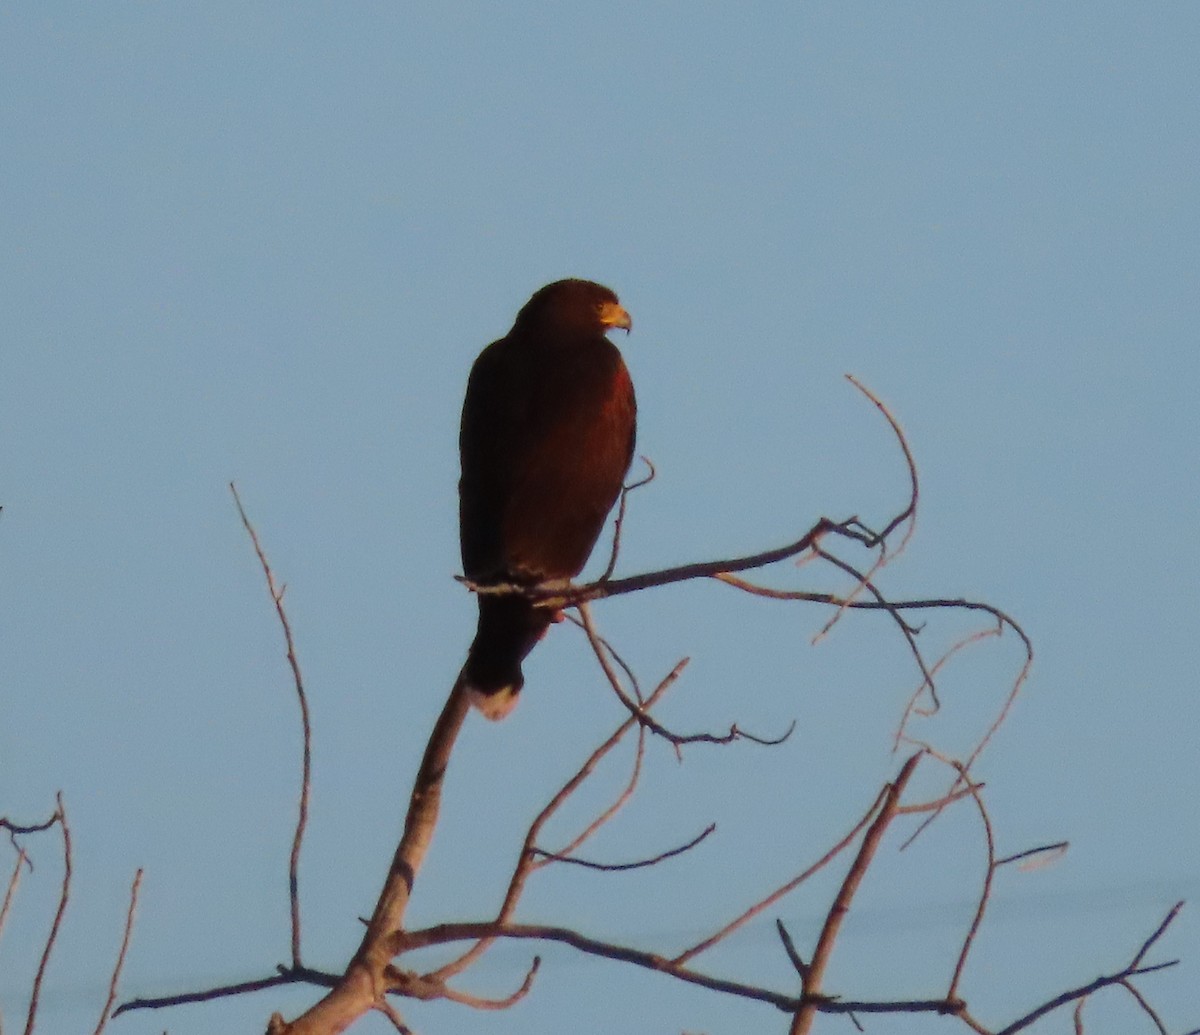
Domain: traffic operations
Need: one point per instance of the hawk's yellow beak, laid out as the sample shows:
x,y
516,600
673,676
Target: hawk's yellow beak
x,y
613,314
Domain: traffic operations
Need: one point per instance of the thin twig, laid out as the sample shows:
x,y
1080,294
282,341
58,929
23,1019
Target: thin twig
x,y
392,1014
789,947
938,803
911,708
1146,1007
780,892
116,974
641,712
619,521
27,828
1133,969
56,924
443,933
986,892
1159,931
286,976
896,609
11,889
626,794
482,1003
909,513
864,582
804,1016
306,728
1054,851
527,860
639,864
612,652
914,494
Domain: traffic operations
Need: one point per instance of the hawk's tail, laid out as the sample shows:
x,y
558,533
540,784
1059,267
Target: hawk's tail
x,y
509,627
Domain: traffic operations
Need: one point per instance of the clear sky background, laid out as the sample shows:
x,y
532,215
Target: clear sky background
x,y
264,242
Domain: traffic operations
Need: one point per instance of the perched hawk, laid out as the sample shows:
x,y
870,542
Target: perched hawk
x,y
547,436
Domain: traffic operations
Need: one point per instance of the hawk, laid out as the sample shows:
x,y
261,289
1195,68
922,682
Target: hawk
x,y
546,439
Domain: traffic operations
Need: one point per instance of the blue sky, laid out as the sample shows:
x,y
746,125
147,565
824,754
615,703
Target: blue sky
x,y
265,242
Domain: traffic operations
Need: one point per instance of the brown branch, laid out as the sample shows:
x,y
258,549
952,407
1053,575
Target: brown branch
x,y
575,595
986,892
1146,1007
444,933
639,864
909,513
481,1003
621,662
619,803
1054,850
789,947
864,582
116,974
302,698
896,609
11,889
619,521
911,708
806,1014
30,828
850,528
1159,931
60,816
363,986
392,1014
1131,970
911,509
785,889
286,976
938,803
526,860
641,713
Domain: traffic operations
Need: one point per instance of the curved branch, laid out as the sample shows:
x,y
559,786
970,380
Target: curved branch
x,y
305,725
619,521
1133,969
641,712
482,1003
60,816
443,933
526,861
285,976
117,967
785,889
639,864
805,1015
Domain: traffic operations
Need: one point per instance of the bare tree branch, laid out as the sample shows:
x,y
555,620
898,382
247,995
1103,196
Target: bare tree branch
x,y
619,521
375,974
780,892
285,976
806,1014
305,724
116,974
626,794
27,828
60,816
11,889
789,947
985,893
639,864
1053,851
527,860
480,1003
641,713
